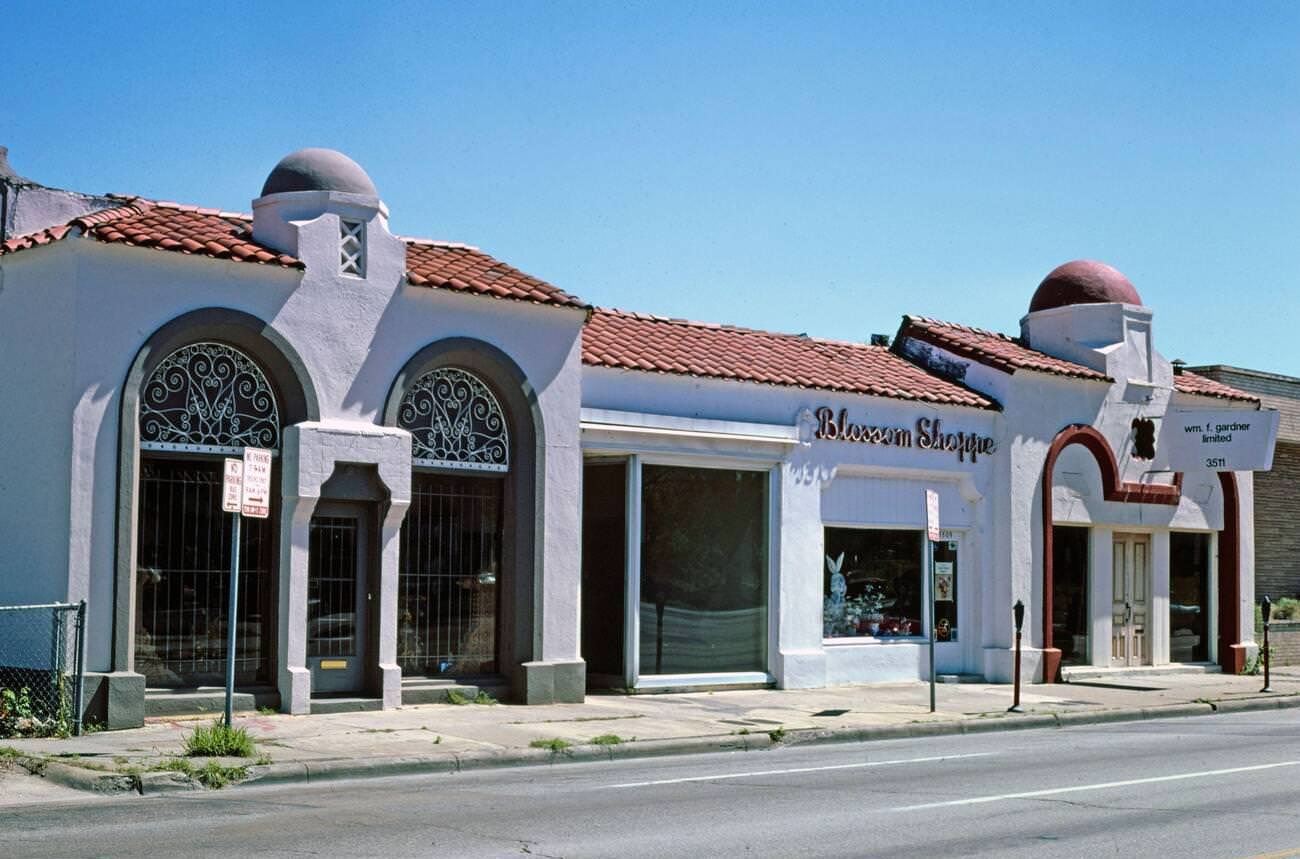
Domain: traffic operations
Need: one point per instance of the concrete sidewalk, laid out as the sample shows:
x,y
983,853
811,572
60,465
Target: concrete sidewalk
x,y
447,737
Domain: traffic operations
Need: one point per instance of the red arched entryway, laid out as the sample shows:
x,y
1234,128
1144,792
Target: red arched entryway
x,y
1232,656
1136,493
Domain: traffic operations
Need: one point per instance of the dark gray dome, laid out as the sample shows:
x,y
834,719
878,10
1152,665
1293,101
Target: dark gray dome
x,y
318,170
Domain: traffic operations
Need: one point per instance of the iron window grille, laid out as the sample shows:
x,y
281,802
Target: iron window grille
x,y
456,422
208,398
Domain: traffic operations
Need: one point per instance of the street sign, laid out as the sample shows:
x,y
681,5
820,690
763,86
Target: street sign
x,y
232,488
932,514
1220,440
257,482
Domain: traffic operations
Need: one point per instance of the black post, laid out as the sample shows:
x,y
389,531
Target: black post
x,y
1266,609
79,698
1019,610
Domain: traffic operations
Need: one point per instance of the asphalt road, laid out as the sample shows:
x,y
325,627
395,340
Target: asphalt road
x,y
1218,786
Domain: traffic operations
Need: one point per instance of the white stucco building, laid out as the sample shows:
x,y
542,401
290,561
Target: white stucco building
x,y
482,480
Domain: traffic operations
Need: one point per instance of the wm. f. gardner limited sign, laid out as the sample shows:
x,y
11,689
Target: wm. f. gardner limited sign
x,y
927,434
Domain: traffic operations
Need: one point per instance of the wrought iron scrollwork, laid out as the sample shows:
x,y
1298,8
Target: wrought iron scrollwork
x,y
209,398
455,421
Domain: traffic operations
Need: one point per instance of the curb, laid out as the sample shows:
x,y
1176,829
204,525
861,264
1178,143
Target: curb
x,y
157,783
79,778
341,768
1043,720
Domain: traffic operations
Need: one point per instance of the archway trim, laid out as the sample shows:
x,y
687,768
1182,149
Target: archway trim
x,y
294,391
1113,489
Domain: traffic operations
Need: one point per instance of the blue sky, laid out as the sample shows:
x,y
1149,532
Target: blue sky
x,y
820,168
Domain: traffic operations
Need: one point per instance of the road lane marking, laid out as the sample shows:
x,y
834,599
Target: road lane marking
x,y
863,765
1057,791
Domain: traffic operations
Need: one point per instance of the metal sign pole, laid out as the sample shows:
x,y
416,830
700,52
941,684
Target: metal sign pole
x,y
932,535
929,565
232,614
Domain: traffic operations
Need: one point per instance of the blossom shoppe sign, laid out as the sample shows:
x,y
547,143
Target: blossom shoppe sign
x,y
928,434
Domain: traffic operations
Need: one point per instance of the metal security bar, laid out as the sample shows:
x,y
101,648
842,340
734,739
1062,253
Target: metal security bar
x,y
183,580
42,669
449,581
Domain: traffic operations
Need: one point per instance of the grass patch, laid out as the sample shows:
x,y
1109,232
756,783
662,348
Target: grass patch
x,y
457,697
263,760
606,740
484,698
9,752
174,765
777,734
555,745
742,732
219,741
215,776
266,711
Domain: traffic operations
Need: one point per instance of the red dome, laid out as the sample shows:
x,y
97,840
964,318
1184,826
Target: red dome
x,y
1083,282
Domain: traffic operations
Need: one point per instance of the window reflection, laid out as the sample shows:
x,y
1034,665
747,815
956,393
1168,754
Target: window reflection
x,y
703,570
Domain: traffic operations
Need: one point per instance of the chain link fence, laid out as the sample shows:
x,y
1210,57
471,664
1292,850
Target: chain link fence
x,y
42,677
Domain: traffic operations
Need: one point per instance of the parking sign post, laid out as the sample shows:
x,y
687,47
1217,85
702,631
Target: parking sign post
x,y
246,491
931,537
232,500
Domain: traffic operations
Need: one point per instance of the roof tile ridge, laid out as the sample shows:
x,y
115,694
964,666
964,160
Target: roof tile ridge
x,y
738,329
440,243
90,220
931,322
174,206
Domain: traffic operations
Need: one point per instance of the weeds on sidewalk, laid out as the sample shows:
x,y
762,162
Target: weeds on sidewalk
x,y
213,774
606,740
776,734
219,741
217,776
555,745
455,696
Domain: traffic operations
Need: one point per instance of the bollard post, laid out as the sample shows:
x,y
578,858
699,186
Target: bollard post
x,y
1019,610
1266,609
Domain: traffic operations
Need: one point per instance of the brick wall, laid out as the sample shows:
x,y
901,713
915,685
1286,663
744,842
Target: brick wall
x,y
1284,641
1277,513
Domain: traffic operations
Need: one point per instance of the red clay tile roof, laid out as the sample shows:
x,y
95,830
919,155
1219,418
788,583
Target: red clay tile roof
x,y
992,349
228,235
1190,383
466,269
165,226
634,341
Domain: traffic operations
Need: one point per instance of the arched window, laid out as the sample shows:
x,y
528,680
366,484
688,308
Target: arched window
x,y
455,421
203,401
210,398
451,557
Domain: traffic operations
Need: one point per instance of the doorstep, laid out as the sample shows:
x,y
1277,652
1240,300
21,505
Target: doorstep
x,y
345,704
434,690
1089,673
203,700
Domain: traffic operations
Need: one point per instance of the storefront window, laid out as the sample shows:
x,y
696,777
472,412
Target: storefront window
x,y
872,583
945,590
703,570
1189,597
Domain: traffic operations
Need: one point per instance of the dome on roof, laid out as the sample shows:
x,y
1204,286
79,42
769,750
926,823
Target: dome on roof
x,y
1083,282
315,169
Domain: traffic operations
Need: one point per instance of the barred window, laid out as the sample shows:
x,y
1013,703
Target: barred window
x,y
455,421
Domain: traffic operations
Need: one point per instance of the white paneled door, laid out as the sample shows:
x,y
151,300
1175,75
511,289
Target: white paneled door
x,y
1130,601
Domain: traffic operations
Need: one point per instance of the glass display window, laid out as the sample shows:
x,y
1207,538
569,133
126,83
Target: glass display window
x,y
872,583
